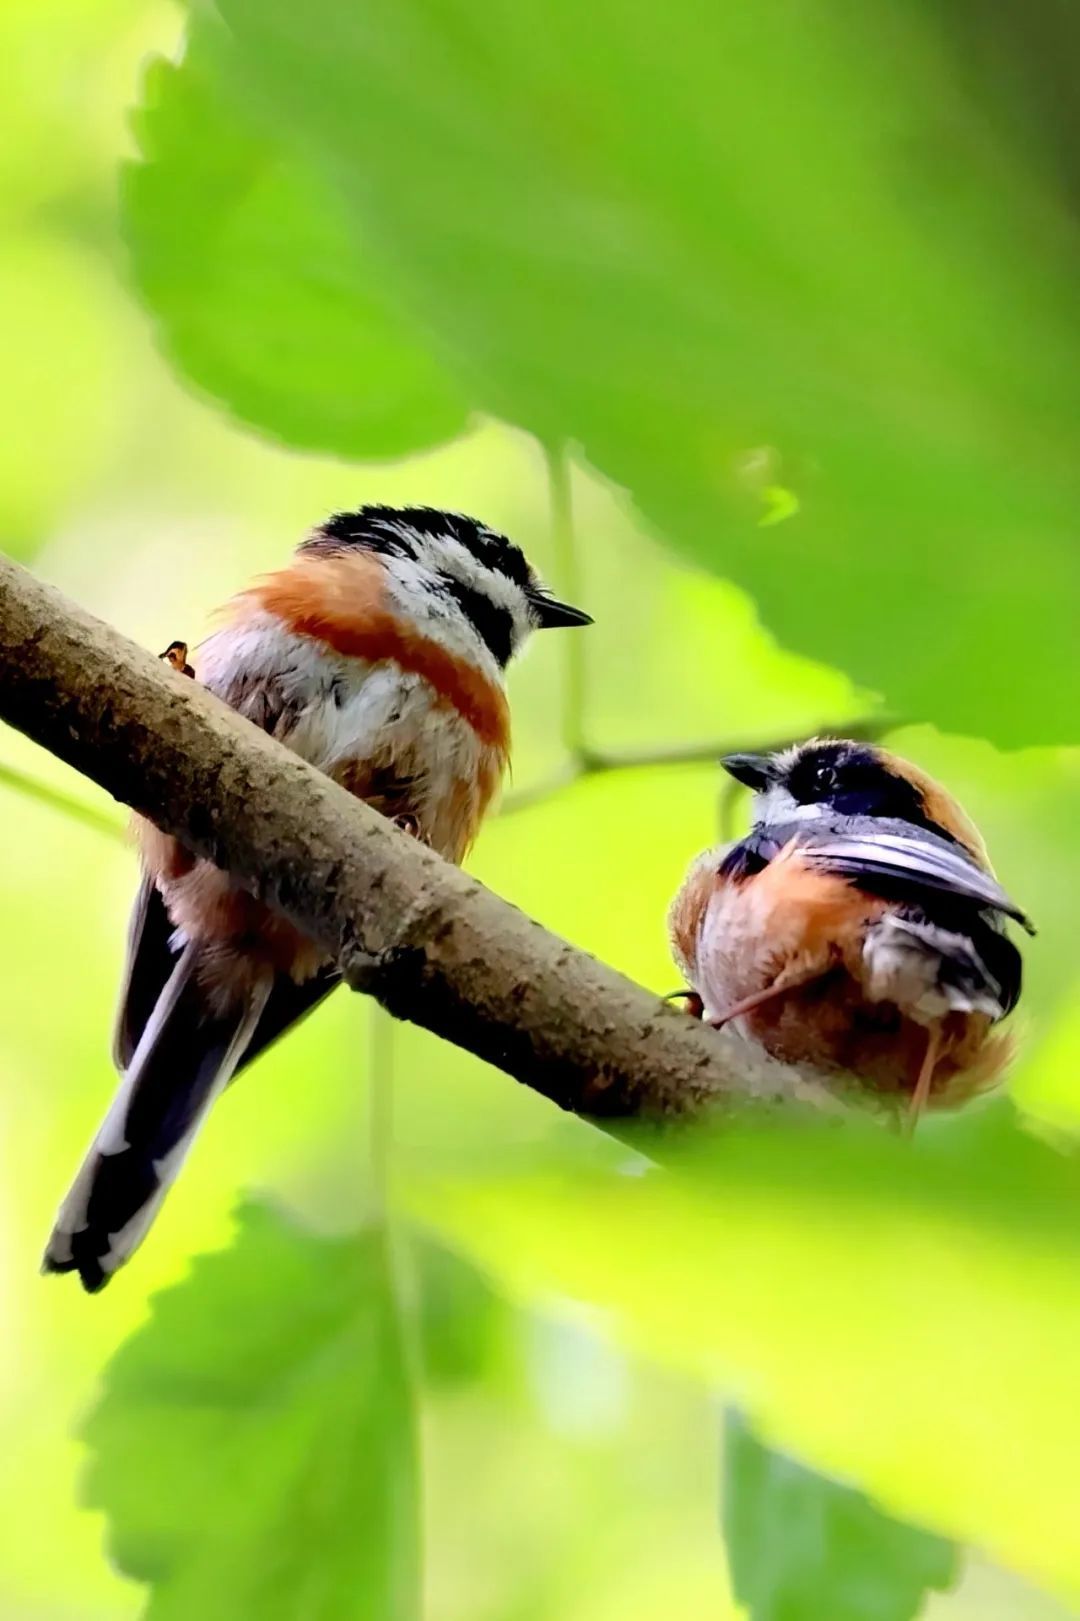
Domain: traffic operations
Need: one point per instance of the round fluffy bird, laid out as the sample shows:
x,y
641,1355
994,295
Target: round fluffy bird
x,y
378,654
857,932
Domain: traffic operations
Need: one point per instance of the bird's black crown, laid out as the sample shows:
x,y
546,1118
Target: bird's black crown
x,y
386,530
853,779
851,772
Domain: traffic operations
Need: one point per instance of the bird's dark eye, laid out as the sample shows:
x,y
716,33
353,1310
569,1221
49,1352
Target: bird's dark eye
x,y
820,776
823,781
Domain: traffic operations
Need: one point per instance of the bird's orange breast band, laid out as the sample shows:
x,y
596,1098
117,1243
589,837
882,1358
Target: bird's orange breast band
x,y
342,602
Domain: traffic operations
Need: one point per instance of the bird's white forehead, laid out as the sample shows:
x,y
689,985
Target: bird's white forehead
x,y
776,806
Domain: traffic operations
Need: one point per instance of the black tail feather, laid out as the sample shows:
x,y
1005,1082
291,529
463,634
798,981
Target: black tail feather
x,y
185,1057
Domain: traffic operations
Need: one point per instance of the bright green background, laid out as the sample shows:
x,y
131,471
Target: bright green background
x,y
727,258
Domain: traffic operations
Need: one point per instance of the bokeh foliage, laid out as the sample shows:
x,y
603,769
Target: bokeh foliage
x,y
801,283
265,296
878,1307
803,1547
239,1446
688,237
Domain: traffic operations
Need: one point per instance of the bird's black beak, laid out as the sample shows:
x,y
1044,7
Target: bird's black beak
x,y
752,770
551,613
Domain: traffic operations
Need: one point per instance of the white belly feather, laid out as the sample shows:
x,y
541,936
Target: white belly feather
x,y
336,710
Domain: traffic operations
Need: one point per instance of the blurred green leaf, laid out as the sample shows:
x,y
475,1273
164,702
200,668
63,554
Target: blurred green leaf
x,y
254,1448
462,1323
903,1316
63,382
694,239
264,297
802,1546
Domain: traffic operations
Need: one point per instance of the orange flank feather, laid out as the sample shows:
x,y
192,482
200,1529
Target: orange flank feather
x,y
342,601
206,905
940,807
688,911
794,919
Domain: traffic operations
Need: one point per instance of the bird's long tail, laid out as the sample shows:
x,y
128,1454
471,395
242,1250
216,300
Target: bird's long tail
x,y
184,1060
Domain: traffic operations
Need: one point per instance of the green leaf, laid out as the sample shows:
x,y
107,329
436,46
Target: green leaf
x,y
63,343
902,1316
462,1324
265,298
695,239
801,1546
254,1447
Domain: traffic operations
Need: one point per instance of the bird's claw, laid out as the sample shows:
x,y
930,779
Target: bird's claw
x,y
409,824
176,656
695,1007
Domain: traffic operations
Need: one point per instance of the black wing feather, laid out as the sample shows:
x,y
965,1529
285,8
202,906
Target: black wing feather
x,y
1002,960
288,1004
150,966
147,970
903,864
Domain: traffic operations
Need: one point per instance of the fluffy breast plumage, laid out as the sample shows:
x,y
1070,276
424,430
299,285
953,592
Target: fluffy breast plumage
x,y
404,725
384,731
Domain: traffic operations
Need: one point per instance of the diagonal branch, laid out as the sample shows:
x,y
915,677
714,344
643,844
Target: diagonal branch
x,y
426,939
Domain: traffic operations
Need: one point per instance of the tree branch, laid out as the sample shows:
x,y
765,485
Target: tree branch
x,y
426,939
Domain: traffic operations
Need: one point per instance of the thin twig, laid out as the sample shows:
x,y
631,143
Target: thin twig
x,y
594,762
380,1046
79,811
568,583
522,799
866,727
394,1244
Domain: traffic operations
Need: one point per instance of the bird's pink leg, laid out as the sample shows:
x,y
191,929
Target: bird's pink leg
x,y
785,982
925,1080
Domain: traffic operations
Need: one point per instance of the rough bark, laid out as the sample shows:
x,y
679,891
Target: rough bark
x,y
429,941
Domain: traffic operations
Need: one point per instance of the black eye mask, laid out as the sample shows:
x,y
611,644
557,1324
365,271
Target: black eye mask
x,y
854,782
